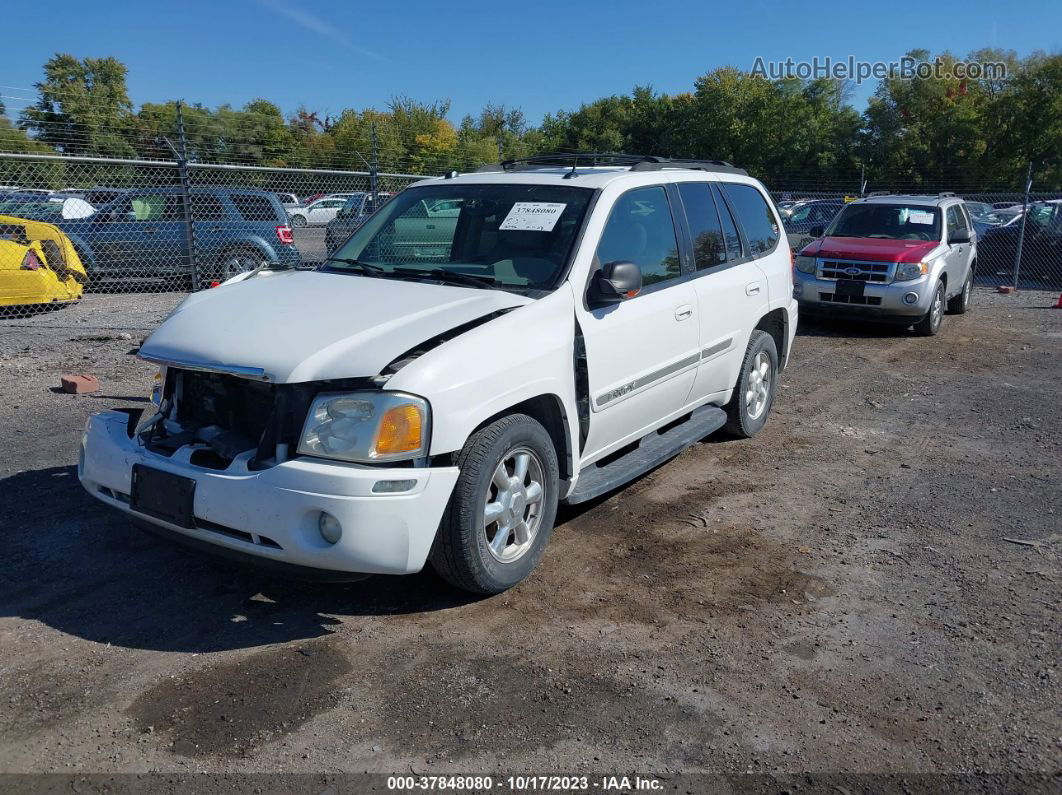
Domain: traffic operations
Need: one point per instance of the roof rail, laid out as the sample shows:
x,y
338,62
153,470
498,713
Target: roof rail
x,y
591,159
945,194
874,193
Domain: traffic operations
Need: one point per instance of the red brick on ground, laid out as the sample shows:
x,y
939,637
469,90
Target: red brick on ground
x,y
79,384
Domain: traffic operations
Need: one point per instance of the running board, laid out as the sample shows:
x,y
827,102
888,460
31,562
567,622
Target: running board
x,y
652,450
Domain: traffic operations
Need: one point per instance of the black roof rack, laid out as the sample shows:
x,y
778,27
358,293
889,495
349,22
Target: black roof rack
x,y
590,159
874,193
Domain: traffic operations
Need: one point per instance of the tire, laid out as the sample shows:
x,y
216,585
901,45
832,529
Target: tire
x,y
930,325
960,304
239,260
470,552
754,394
298,221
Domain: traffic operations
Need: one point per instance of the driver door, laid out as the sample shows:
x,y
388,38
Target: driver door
x,y
641,353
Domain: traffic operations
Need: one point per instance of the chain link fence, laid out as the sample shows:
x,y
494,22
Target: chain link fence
x,y
76,227
138,226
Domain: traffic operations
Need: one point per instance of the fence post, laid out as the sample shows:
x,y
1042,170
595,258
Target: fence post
x,y
1024,218
186,195
862,180
374,167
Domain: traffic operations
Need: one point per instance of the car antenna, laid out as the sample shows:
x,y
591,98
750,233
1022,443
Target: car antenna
x,y
571,174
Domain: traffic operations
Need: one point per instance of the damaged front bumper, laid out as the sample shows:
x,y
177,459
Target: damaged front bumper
x,y
273,514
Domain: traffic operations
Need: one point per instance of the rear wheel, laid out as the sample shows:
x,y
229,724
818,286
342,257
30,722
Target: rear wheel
x,y
298,220
929,325
755,389
239,260
503,507
960,304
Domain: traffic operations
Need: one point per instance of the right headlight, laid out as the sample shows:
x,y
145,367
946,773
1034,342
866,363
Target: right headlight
x,y
366,427
906,271
805,264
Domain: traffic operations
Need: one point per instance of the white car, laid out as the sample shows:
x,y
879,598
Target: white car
x,y
435,390
319,212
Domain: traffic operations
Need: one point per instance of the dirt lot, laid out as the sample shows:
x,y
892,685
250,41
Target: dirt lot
x,y
838,594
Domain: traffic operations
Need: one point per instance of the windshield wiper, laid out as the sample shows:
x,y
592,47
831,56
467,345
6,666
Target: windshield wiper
x,y
366,267
451,277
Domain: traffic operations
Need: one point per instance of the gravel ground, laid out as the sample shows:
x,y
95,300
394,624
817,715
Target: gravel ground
x,y
838,594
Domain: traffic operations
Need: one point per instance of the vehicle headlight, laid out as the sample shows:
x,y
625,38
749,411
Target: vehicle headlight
x,y
906,271
805,264
366,427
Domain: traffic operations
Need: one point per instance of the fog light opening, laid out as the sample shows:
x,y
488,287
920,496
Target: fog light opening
x,y
330,528
392,486
910,298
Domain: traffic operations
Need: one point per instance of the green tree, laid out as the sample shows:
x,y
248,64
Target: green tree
x,y
83,107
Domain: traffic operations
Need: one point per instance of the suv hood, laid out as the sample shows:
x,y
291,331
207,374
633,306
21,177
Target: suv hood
x,y
870,249
307,326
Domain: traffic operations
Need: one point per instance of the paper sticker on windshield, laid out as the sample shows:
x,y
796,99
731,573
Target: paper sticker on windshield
x,y
917,217
532,217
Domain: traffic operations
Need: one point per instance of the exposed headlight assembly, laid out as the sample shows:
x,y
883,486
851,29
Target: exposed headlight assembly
x,y
906,271
805,264
366,427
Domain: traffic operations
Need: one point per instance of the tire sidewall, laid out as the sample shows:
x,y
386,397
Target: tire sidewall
x,y
761,342
226,271
466,514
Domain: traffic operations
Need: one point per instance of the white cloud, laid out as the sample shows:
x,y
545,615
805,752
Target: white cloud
x,y
316,25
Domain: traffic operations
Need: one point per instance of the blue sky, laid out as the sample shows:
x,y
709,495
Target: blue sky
x,y
541,56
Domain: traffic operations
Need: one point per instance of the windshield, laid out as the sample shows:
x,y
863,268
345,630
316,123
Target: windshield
x,y
507,236
887,221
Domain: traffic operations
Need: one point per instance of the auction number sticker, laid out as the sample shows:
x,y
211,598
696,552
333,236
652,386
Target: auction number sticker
x,y
920,218
532,217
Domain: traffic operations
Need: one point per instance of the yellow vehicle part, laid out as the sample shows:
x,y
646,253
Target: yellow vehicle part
x,y
59,276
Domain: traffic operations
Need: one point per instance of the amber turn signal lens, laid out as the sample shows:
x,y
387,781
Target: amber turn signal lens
x,y
401,431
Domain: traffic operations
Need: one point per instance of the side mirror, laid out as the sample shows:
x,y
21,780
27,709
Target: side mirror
x,y
816,231
615,282
959,236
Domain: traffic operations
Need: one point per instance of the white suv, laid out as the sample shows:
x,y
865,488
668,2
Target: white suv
x,y
435,389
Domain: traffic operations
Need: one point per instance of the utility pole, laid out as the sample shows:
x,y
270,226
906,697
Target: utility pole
x,y
186,195
1024,218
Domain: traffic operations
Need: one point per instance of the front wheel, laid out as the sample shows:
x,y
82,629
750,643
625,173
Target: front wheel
x,y
755,389
503,507
929,325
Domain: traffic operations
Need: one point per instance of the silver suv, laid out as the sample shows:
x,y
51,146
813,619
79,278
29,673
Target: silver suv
x,y
896,258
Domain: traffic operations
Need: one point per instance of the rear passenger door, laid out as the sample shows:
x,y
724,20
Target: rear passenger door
x,y
641,353
731,289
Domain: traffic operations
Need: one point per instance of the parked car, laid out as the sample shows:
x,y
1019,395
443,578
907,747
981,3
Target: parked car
x,y
320,211
142,234
436,398
1041,251
44,208
902,259
808,215
288,200
350,216
38,265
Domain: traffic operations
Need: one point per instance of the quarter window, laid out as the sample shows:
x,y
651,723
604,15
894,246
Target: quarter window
x,y
640,230
254,208
709,249
757,219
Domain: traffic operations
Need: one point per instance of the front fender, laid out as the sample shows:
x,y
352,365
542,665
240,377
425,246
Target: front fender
x,y
524,354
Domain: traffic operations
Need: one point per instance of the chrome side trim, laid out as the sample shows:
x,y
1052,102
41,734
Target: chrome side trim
x,y
646,380
719,347
239,370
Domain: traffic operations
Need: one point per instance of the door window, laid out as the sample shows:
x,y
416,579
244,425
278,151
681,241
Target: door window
x,y
756,216
730,234
640,230
154,207
709,249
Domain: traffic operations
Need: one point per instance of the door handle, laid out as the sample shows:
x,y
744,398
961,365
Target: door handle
x,y
752,288
684,312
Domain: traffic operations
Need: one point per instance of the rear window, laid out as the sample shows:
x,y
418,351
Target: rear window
x,y
254,208
755,216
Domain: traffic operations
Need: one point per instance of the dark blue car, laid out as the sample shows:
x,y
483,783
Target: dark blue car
x,y
142,235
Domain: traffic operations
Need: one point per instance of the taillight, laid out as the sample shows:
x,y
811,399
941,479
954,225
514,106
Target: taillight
x,y
285,236
30,261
